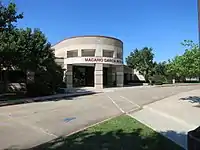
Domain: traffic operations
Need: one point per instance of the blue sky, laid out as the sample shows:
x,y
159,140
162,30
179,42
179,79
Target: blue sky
x,y
160,24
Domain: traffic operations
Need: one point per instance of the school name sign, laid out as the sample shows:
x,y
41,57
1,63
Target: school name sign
x,y
103,60
93,60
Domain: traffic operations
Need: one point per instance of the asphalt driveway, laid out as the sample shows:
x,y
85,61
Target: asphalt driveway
x,y
27,125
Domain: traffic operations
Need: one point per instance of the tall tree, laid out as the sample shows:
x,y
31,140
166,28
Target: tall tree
x,y
191,58
160,68
175,68
27,50
142,60
188,64
36,55
34,50
8,18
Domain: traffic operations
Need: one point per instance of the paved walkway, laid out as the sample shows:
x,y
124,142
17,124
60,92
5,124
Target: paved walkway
x,y
173,116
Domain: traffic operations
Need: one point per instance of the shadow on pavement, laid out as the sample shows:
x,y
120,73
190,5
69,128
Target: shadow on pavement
x,y
113,140
56,97
180,138
192,99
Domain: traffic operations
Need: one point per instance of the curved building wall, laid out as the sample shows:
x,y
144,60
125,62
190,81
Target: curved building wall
x,y
94,46
93,50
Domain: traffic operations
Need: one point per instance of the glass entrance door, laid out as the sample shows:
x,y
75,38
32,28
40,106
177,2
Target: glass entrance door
x,y
89,76
83,76
105,77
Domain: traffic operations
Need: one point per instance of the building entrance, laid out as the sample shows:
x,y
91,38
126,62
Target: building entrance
x,y
83,76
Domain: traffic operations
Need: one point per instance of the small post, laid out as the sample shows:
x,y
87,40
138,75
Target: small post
x,y
173,81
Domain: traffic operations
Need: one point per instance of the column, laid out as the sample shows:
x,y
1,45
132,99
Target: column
x,y
68,76
120,76
79,52
115,54
98,52
98,76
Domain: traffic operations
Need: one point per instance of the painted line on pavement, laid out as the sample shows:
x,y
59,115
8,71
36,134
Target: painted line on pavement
x,y
116,104
125,112
133,110
130,101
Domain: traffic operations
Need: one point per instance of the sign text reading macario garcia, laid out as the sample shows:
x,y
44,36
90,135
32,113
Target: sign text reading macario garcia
x,y
100,59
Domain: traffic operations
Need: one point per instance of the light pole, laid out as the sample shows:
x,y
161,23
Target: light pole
x,y
198,10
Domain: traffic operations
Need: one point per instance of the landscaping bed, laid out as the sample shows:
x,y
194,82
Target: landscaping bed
x,y
121,133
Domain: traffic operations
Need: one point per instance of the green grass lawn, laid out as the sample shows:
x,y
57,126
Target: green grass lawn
x,y
121,133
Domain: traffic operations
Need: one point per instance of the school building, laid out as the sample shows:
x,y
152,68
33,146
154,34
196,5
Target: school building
x,y
93,61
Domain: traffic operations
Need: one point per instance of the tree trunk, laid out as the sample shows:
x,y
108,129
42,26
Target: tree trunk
x,y
150,82
146,76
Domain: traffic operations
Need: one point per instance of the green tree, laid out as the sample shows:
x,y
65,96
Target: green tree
x,y
189,44
142,60
36,55
186,65
27,50
191,58
175,68
34,50
8,18
160,68
8,35
159,73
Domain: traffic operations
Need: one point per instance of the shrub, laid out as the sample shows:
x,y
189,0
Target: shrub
x,y
46,82
158,79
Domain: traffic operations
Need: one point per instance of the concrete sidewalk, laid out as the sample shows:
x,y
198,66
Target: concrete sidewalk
x,y
174,116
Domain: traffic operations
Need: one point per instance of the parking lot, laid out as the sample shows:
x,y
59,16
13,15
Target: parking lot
x,y
27,125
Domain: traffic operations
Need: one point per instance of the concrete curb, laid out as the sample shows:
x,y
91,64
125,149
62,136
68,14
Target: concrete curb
x,y
44,98
105,120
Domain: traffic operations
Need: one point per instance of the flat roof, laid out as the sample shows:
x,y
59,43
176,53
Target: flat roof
x,y
109,37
